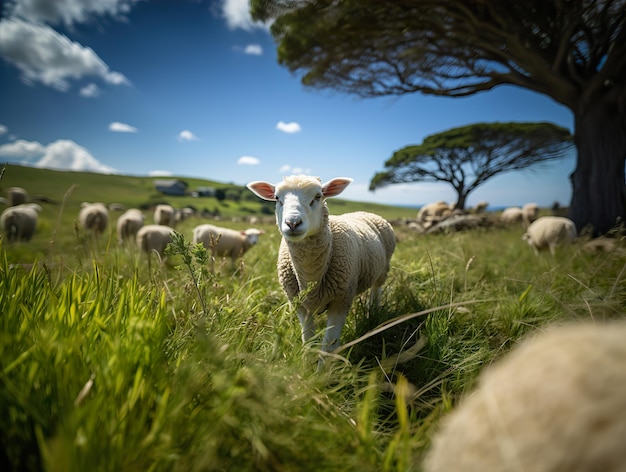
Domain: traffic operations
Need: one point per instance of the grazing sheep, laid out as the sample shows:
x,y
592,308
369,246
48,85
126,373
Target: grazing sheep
x,y
128,224
165,215
530,212
511,215
225,242
154,238
94,217
557,402
17,196
20,221
550,232
325,261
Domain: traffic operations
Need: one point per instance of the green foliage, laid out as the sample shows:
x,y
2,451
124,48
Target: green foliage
x,y
108,363
467,157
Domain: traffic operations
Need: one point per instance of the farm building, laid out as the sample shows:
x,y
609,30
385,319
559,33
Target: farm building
x,y
171,187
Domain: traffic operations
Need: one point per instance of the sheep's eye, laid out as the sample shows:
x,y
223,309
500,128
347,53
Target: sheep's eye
x,y
278,200
317,198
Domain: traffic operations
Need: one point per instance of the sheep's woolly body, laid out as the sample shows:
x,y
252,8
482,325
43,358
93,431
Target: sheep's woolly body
x,y
20,222
511,215
225,242
94,217
352,251
128,224
164,215
548,232
556,403
154,238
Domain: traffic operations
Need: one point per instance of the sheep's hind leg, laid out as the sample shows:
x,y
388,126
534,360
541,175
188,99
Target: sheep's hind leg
x,y
308,325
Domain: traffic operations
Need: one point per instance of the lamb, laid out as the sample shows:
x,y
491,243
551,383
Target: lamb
x,y
550,232
556,402
325,261
530,212
94,217
19,222
164,215
225,241
128,224
154,238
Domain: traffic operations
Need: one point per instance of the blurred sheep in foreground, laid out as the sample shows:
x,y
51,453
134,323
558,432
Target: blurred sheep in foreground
x,y
20,222
555,403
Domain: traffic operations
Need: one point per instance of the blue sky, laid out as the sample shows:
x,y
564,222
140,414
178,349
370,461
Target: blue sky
x,y
193,88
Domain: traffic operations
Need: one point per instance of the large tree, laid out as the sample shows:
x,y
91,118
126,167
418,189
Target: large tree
x,y
468,156
573,51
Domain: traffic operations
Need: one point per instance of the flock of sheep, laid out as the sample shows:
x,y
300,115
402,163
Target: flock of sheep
x,y
556,403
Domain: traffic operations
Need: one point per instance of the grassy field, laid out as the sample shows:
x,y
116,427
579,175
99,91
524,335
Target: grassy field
x,y
111,364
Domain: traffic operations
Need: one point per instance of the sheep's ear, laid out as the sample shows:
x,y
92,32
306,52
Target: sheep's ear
x,y
335,186
264,190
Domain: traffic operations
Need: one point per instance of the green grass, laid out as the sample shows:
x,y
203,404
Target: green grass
x,y
107,364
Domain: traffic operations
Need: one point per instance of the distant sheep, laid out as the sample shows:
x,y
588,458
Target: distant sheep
x,y
154,238
480,207
511,215
555,403
326,260
226,242
19,222
548,232
16,195
128,224
433,211
165,215
94,217
530,212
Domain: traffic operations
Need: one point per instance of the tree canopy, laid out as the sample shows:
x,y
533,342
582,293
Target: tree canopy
x,y
468,156
572,51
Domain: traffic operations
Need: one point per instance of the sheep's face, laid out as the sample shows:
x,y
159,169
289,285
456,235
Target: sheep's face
x,y
300,203
252,235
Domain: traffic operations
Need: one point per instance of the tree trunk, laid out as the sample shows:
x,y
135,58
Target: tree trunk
x,y
598,192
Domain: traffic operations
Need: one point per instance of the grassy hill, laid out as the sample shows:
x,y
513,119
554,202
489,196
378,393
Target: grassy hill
x,y
136,191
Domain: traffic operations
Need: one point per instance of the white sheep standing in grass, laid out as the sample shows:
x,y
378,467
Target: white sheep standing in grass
x,y
433,211
19,222
94,217
556,403
548,232
128,223
226,242
530,212
325,261
165,215
154,238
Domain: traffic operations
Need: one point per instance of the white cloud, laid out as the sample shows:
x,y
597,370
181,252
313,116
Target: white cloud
x,y
89,91
62,154
290,128
3,129
187,135
248,161
122,127
67,11
254,49
237,15
160,173
22,149
45,56
286,169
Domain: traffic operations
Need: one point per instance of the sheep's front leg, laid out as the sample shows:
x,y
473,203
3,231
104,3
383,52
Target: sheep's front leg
x,y
334,325
307,323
